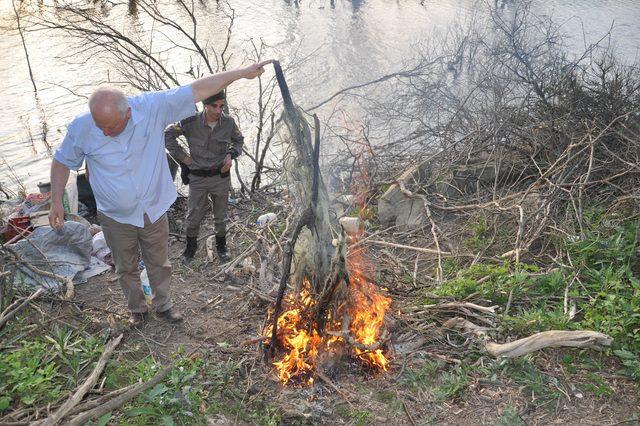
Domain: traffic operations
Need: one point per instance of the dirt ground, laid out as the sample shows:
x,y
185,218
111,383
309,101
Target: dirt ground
x,y
224,318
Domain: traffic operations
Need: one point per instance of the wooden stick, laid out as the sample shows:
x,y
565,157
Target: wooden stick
x,y
228,267
549,339
86,386
406,410
116,402
465,325
491,310
20,307
286,270
88,405
418,249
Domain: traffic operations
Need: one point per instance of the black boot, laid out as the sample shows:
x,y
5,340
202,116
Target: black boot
x,y
221,248
190,250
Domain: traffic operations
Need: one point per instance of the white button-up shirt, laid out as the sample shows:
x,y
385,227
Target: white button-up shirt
x,y
129,173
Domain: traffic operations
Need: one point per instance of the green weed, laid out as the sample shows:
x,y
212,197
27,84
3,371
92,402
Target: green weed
x,y
509,417
422,377
630,362
37,371
452,384
449,384
481,237
487,282
597,385
391,399
360,417
528,321
534,383
608,270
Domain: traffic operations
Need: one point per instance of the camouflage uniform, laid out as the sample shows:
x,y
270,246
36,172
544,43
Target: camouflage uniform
x,y
207,147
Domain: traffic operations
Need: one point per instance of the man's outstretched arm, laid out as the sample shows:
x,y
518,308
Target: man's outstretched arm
x,y
215,83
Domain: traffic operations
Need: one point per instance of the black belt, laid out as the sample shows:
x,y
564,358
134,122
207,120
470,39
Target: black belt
x,y
209,172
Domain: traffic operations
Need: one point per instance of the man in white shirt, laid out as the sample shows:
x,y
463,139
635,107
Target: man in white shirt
x,y
121,139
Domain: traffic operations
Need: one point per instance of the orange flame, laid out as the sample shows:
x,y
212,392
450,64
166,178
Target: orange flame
x,y
303,345
367,314
297,331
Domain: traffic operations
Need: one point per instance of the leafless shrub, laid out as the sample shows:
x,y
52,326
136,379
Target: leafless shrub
x,y
517,134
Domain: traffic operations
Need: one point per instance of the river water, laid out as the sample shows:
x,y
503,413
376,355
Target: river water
x,y
334,44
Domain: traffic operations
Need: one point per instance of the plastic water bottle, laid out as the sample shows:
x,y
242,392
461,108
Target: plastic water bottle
x,y
146,288
265,219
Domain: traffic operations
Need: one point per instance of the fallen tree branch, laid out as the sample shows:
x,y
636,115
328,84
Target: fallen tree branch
x,y
227,268
90,404
86,386
491,310
404,74
549,339
116,402
434,228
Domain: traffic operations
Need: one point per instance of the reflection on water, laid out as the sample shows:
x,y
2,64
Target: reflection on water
x,y
343,42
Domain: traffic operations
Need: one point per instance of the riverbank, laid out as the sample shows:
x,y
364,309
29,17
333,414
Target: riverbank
x,y
437,375
494,212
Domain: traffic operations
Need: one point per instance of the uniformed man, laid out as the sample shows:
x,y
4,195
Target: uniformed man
x,y
214,140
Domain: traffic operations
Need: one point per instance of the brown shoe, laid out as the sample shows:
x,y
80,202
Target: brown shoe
x,y
136,319
171,315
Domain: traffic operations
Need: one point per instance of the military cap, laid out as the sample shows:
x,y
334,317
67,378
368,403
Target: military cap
x,y
216,97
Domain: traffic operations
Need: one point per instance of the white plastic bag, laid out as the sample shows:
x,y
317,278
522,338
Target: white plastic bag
x,y
100,248
98,242
70,198
266,219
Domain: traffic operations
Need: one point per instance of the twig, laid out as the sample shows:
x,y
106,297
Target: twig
x,y
88,405
419,249
67,281
20,307
228,267
406,410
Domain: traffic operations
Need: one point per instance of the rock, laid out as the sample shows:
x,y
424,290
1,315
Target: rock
x,y
467,176
395,208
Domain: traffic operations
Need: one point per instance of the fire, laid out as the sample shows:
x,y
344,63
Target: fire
x,y
367,315
304,344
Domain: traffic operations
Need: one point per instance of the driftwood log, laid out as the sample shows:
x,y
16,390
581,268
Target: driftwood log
x,y
549,339
545,339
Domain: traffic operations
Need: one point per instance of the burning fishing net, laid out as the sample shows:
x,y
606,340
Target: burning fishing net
x,y
335,309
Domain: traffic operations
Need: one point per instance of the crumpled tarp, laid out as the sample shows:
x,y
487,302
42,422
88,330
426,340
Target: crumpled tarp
x,y
66,253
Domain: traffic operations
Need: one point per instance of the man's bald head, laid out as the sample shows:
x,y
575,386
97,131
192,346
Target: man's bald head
x,y
110,110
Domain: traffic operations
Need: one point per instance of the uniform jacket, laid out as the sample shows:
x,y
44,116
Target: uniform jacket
x,y
207,146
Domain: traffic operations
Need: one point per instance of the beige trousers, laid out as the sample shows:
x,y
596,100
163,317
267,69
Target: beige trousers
x,y
199,188
125,242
